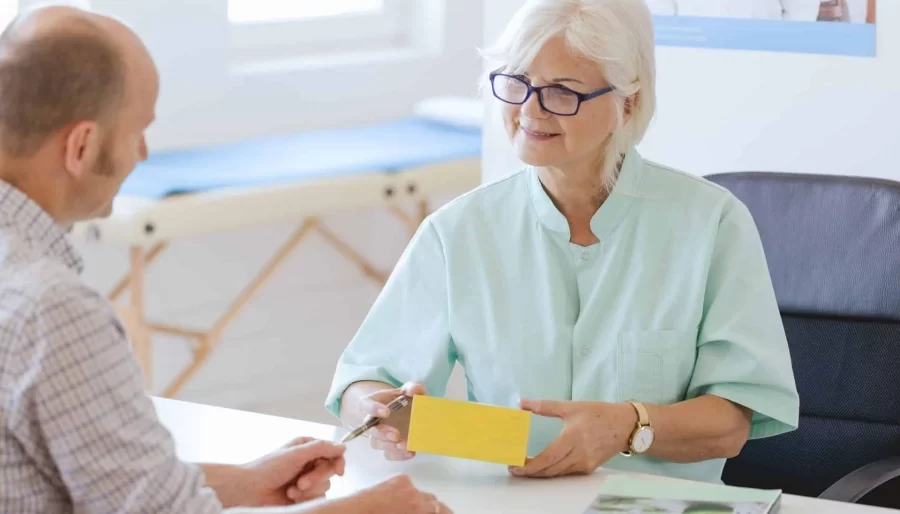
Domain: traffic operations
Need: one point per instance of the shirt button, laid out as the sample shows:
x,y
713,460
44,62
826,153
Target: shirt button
x,y
585,256
585,351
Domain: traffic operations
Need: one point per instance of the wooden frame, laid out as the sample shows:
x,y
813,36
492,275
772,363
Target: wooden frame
x,y
204,342
147,227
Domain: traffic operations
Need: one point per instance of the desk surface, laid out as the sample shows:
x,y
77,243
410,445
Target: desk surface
x,y
211,434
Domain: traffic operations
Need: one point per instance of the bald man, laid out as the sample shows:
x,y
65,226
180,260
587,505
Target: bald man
x,y
77,432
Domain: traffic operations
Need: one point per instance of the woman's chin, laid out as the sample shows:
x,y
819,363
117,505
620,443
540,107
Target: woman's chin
x,y
535,154
537,159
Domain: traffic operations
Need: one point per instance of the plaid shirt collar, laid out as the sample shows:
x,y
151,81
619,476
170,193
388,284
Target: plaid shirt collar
x,y
34,225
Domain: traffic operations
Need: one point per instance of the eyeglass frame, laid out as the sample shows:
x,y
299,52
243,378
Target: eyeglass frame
x,y
582,97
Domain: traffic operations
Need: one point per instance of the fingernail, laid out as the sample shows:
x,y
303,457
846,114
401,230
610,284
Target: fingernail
x,y
383,413
392,437
517,471
401,446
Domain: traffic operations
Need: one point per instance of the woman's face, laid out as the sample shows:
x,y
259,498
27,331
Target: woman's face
x,y
549,140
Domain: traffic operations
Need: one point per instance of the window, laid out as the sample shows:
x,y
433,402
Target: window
x,y
255,11
8,10
275,29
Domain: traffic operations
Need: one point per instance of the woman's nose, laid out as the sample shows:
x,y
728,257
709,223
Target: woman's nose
x,y
532,107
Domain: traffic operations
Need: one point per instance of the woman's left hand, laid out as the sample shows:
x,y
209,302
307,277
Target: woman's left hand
x,y
593,433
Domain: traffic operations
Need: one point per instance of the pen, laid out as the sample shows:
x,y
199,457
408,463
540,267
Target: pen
x,y
371,421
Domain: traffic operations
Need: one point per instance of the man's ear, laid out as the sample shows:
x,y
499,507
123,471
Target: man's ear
x,y
82,146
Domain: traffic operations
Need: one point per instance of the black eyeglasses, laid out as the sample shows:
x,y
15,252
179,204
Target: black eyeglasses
x,y
555,99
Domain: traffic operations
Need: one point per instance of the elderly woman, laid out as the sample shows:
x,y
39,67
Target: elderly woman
x,y
625,304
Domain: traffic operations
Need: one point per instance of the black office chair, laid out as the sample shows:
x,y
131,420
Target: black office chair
x,y
833,249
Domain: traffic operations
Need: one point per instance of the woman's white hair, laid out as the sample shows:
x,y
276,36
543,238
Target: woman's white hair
x,y
616,34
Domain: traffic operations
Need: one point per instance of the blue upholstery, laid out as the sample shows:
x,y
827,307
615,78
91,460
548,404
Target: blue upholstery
x,y
833,248
382,147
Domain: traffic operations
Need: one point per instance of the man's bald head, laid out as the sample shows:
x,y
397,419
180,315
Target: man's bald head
x,y
59,66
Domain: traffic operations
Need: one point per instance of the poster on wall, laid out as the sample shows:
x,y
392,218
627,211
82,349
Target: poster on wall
x,y
835,27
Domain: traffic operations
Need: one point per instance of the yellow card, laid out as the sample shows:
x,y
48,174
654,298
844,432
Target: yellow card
x,y
469,430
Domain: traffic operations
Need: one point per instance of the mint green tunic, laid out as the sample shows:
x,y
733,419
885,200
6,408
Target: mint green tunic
x,y
675,301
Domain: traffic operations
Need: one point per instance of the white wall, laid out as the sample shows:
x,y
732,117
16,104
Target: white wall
x,y
205,100
740,110
279,355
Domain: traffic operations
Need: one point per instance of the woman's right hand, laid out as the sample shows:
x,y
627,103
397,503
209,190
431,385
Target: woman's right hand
x,y
390,435
398,495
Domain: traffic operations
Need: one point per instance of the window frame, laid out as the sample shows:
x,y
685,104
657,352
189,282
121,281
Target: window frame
x,y
387,29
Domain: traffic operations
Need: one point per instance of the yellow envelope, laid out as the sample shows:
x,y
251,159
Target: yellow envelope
x,y
469,430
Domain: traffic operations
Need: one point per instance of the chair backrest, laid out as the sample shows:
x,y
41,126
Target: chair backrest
x,y
833,249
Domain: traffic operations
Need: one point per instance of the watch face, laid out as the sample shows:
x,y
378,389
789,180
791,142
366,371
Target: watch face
x,y
642,440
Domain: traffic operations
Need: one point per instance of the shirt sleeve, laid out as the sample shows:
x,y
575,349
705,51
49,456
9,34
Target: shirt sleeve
x,y
97,423
406,335
742,352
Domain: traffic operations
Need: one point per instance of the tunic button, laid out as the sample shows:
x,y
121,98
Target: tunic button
x,y
585,351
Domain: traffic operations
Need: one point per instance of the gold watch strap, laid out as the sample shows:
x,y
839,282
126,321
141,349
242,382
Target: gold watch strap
x,y
643,416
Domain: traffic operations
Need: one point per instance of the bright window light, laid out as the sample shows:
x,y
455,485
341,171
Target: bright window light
x,y
8,11
254,11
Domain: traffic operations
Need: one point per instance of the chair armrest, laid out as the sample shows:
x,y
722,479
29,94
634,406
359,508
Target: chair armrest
x,y
864,480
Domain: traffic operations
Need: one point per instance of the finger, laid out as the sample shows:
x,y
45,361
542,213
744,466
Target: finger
x,y
396,454
445,509
556,451
385,433
340,466
413,388
381,445
372,407
316,492
560,468
295,495
293,460
299,441
318,449
547,408
322,472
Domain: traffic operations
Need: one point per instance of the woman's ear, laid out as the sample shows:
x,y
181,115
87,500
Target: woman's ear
x,y
82,147
631,104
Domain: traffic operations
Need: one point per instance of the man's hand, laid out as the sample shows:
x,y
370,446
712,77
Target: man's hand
x,y
593,433
298,472
397,495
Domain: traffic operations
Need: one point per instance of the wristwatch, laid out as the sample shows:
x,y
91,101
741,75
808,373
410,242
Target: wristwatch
x,y
642,437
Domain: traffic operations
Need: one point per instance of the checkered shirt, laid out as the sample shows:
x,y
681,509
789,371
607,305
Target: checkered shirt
x,y
78,434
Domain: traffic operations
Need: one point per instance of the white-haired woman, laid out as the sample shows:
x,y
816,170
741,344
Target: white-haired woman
x,y
625,304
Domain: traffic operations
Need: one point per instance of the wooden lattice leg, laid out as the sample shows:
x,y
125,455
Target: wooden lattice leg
x,y
149,257
352,255
207,341
139,333
424,211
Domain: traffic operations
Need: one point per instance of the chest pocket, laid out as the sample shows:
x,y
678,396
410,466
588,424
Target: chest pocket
x,y
655,366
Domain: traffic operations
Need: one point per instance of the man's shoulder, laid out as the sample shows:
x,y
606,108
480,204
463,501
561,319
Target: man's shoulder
x,y
35,289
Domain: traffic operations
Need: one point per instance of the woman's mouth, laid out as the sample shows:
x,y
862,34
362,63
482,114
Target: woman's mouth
x,y
538,135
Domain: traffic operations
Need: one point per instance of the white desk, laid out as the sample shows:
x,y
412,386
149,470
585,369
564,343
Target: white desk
x,y
212,434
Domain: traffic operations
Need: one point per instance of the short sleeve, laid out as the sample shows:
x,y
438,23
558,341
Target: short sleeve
x,y
742,352
406,335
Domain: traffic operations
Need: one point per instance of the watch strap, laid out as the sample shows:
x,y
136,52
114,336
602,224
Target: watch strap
x,y
643,416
